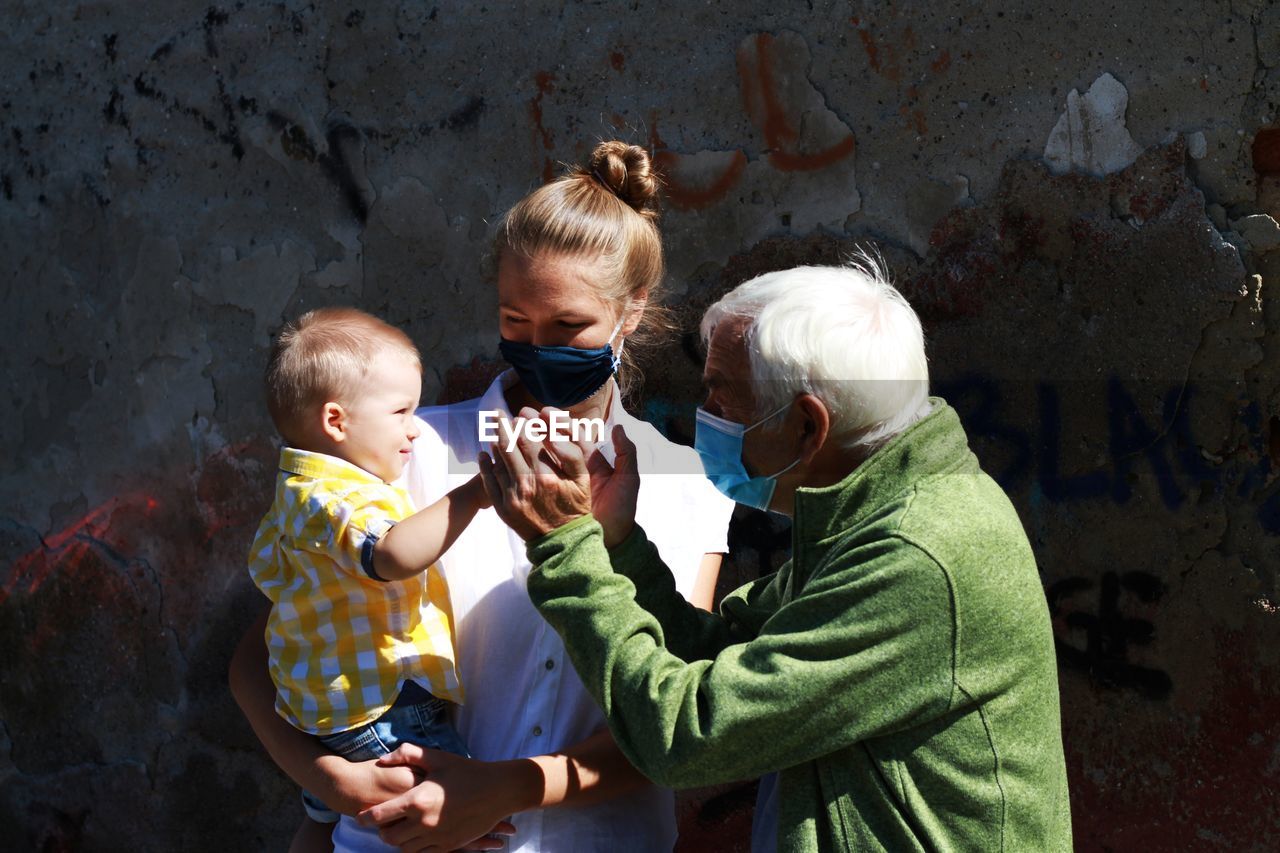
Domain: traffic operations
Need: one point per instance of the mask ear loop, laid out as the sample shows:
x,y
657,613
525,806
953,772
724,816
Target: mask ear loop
x,y
770,417
617,354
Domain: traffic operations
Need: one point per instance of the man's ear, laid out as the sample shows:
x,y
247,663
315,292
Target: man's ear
x,y
815,425
333,421
635,310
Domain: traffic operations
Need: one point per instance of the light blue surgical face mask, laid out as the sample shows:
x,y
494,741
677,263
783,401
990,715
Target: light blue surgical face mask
x,y
719,444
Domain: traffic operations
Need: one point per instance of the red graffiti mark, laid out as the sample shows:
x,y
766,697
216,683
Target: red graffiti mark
x,y
882,56
1216,736
543,80
869,45
688,195
765,107
1266,151
617,59
227,496
914,119
67,547
1147,206
967,261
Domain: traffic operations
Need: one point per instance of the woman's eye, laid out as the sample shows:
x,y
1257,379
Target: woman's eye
x,y
510,319
565,324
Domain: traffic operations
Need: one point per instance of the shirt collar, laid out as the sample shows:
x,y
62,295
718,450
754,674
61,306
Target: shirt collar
x,y
495,396
322,466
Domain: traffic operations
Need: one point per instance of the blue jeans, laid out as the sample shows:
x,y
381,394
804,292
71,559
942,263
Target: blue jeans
x,y
425,723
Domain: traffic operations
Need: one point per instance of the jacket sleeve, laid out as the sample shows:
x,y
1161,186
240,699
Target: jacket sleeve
x,y
689,632
864,649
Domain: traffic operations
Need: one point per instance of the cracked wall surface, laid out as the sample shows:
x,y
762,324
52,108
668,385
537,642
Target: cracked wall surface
x,y
1081,205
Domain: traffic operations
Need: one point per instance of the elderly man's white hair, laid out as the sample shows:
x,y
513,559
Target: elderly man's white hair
x,y
842,334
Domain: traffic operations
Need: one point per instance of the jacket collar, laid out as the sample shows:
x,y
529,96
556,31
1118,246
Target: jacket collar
x,y
935,443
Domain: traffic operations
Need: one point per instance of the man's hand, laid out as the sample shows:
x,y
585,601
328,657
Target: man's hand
x,y
462,802
539,485
614,488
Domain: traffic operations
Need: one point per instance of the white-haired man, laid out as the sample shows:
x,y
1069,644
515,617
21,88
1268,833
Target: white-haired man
x,y
898,672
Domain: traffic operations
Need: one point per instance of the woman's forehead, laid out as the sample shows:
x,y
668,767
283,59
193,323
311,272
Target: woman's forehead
x,y
551,284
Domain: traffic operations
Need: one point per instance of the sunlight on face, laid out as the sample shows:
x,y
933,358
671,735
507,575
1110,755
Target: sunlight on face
x,y
551,300
381,426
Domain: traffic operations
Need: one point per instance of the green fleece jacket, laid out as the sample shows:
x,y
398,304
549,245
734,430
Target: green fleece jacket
x,y
899,670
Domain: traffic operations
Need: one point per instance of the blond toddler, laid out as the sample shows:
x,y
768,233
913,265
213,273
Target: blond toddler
x,y
359,637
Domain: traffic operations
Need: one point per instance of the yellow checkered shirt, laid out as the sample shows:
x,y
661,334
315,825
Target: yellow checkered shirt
x,y
341,643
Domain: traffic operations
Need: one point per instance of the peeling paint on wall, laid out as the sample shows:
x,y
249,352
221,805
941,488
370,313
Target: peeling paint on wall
x,y
1093,270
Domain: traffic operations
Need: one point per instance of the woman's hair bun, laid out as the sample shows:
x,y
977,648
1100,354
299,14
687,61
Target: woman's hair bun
x,y
626,172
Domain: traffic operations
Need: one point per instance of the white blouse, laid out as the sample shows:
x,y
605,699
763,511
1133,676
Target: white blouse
x,y
522,696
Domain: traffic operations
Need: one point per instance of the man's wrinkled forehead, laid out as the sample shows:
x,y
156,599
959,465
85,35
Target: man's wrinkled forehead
x,y
727,363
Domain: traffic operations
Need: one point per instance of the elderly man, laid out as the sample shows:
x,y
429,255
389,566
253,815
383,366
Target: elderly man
x,y
898,672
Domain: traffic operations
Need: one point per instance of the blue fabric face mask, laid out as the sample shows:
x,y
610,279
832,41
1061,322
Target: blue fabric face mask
x,y
562,376
719,444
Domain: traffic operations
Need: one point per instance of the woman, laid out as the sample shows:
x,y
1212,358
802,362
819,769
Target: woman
x,y
579,270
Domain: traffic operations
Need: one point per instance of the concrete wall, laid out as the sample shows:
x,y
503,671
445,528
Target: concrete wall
x,y
1077,202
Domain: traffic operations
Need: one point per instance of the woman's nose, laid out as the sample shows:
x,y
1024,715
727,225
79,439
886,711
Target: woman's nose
x,y
547,337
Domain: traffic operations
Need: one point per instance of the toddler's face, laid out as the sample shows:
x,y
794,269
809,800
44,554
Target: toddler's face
x,y
380,426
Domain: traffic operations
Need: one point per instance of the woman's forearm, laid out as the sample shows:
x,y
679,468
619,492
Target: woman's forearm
x,y
590,771
462,798
342,785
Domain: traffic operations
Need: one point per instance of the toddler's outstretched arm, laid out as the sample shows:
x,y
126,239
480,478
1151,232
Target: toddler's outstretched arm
x,y
418,541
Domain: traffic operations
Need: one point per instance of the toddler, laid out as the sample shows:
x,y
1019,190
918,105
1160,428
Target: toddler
x,y
359,636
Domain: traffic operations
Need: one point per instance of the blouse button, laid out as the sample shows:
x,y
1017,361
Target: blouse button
x,y
537,731
551,664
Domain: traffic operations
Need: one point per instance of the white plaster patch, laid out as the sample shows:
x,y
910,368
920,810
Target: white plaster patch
x,y
1261,232
262,283
927,202
346,272
1197,145
1091,135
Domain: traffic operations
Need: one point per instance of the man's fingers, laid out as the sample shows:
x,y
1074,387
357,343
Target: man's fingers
x,y
514,459
529,450
596,463
624,461
569,455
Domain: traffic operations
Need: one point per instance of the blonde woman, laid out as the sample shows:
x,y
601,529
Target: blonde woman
x,y
580,270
